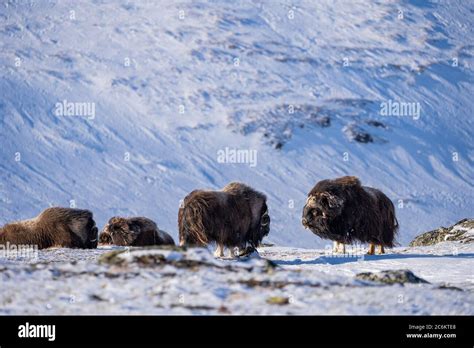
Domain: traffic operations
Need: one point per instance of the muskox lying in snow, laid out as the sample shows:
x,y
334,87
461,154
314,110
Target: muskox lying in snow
x,y
344,211
236,216
54,227
134,231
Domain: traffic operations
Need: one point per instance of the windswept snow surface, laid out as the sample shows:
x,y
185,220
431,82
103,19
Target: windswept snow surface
x,y
174,82
308,282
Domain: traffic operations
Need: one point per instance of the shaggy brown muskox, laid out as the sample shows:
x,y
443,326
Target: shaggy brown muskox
x,y
134,231
54,227
236,216
343,211
260,225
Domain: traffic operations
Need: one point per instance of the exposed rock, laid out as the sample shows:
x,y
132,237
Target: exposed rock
x,y
193,307
111,258
449,287
462,231
375,123
356,133
278,300
97,297
183,258
322,121
269,284
278,145
364,138
277,123
402,276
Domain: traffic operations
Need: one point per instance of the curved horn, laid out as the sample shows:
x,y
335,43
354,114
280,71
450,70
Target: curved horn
x,y
310,198
263,216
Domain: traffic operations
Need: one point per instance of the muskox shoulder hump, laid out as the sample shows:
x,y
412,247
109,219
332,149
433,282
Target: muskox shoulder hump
x,y
238,188
60,213
336,185
142,222
234,186
348,181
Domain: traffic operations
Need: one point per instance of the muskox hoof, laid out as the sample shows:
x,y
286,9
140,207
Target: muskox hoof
x,y
372,249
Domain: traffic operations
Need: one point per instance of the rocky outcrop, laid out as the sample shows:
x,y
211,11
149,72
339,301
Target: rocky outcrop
x,y
182,258
462,231
402,276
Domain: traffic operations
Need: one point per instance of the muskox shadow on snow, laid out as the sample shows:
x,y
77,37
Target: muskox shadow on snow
x,y
235,217
134,231
344,211
54,227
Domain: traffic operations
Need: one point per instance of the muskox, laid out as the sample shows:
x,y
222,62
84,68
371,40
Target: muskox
x,y
54,227
134,231
344,211
235,217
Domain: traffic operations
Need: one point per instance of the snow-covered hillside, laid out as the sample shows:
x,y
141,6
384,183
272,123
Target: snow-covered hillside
x,y
169,84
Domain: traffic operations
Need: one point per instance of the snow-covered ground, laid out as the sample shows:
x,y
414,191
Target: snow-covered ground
x,y
169,84
297,281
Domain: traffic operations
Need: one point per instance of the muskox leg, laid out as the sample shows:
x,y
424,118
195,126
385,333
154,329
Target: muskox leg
x,y
339,248
219,251
381,249
371,249
343,247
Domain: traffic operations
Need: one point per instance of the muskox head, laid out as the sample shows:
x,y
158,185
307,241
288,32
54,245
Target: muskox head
x,y
122,231
320,210
105,237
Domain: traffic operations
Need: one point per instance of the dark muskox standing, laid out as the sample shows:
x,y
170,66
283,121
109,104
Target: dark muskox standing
x,y
236,216
134,231
54,227
343,211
